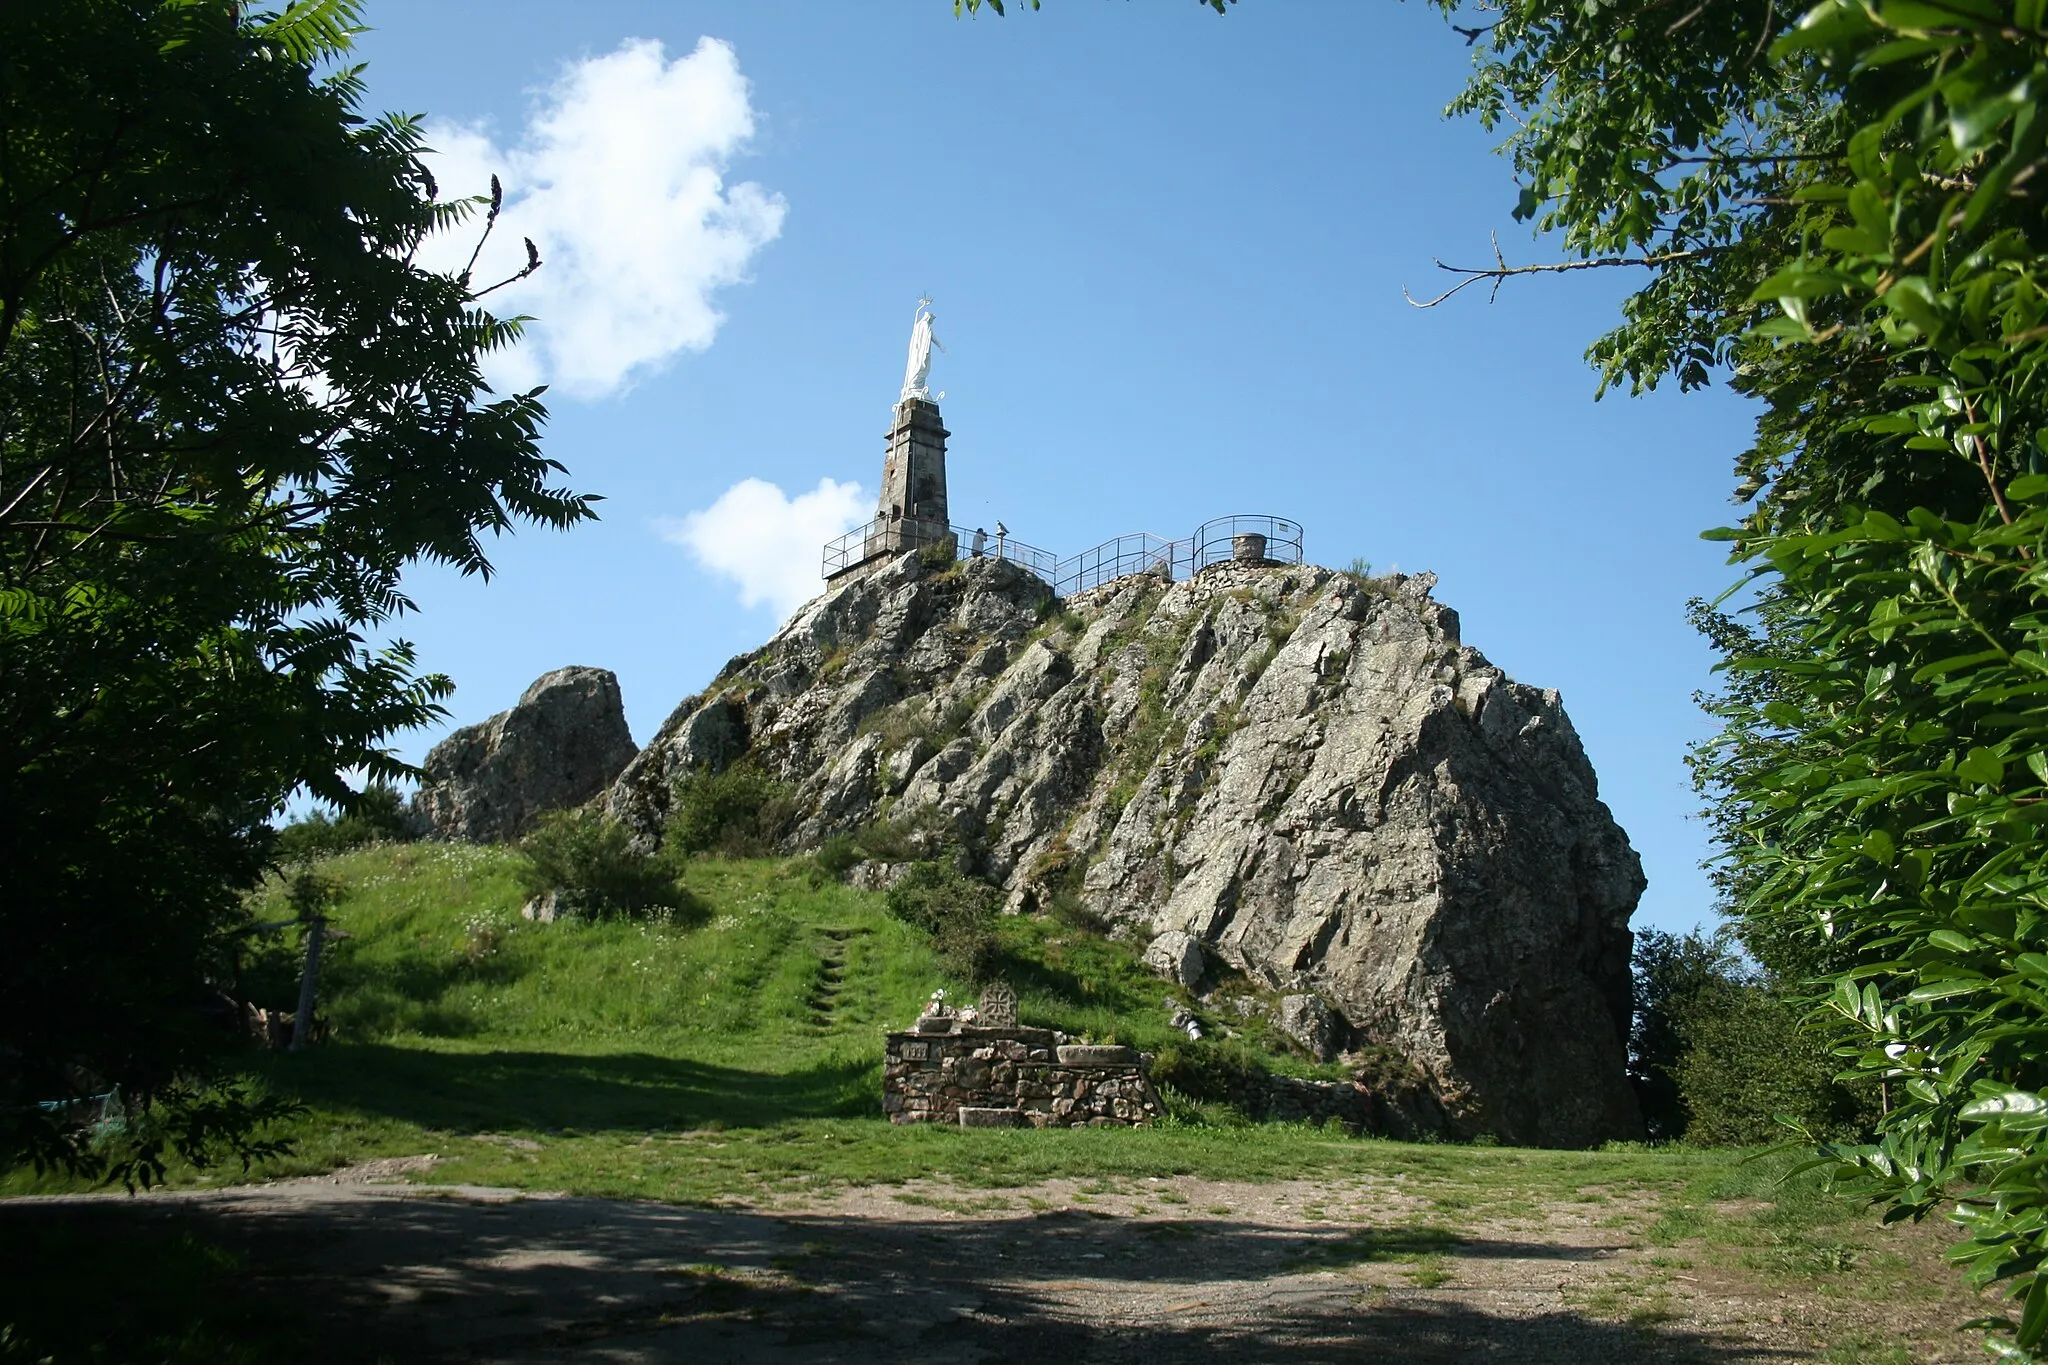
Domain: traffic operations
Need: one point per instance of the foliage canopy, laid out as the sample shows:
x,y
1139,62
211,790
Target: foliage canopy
x,y
1840,207
233,409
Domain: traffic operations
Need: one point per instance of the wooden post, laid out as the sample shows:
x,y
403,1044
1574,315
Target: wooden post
x,y
302,1023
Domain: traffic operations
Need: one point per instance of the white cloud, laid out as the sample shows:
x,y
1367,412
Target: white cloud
x,y
619,179
767,542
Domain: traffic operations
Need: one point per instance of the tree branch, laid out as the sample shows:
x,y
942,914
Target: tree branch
x,y
1501,270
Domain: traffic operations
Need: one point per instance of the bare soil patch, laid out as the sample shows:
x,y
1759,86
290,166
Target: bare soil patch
x,y
1168,1269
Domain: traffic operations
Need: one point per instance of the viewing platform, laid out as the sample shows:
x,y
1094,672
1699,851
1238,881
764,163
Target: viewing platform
x,y
1245,538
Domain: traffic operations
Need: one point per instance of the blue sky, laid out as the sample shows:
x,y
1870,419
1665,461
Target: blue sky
x,y
1167,251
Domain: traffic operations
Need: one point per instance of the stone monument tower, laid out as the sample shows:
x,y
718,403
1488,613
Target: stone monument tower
x,y
913,503
912,509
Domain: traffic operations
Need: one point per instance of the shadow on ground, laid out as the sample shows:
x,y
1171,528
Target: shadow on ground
x,y
490,1090
435,1275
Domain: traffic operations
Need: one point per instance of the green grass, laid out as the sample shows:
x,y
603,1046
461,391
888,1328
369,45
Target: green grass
x,y
456,1024
736,1055
438,956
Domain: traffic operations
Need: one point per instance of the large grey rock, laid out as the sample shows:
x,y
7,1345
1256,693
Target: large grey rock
x,y
1312,1023
1177,956
1309,775
564,742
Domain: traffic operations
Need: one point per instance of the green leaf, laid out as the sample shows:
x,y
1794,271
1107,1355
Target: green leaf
x,y
2016,1109
2034,1319
1982,767
1943,990
1954,663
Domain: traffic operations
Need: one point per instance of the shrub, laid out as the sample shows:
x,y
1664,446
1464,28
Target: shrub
x,y
1056,881
1185,1111
957,911
1216,1072
378,818
917,836
1718,1052
591,866
739,813
837,855
1750,1061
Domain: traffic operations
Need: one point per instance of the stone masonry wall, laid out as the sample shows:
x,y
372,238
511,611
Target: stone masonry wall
x,y
1290,1099
1011,1077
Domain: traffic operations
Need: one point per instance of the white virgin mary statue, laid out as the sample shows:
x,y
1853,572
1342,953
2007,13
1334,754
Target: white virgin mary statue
x,y
919,368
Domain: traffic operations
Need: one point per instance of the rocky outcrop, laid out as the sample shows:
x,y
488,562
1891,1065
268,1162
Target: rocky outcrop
x,y
1177,956
562,744
1306,772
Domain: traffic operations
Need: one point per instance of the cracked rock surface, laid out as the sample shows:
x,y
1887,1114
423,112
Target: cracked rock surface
x,y
561,745
1307,772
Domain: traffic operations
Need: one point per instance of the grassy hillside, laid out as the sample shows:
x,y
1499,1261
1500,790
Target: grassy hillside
x,y
735,1053
763,1008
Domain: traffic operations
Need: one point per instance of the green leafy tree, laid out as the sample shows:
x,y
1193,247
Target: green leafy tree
x,y
378,817
233,410
1678,977
1719,1054
1840,207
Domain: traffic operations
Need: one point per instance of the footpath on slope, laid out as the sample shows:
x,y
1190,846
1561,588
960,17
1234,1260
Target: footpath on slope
x,y
1141,1269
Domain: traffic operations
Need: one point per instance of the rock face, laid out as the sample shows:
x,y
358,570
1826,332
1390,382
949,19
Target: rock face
x,y
563,744
1177,956
1308,773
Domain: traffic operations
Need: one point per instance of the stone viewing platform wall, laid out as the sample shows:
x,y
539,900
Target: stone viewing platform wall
x,y
1012,1077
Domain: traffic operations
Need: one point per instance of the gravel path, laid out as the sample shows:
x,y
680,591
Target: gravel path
x,y
1155,1271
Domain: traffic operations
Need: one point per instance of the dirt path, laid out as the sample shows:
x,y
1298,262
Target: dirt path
x,y
1157,1271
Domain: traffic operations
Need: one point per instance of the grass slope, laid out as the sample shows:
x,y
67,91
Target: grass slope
x,y
737,1054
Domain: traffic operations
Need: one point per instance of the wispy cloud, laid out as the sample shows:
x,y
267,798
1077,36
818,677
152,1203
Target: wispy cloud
x,y
767,542
619,179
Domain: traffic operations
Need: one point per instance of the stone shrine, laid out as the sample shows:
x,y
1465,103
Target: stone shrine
x,y
945,1071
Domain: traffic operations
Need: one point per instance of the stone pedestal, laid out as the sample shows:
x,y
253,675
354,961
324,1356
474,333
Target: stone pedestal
x,y
912,512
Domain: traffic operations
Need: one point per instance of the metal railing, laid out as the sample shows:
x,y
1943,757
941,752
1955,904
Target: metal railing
x,y
874,539
1222,538
1245,538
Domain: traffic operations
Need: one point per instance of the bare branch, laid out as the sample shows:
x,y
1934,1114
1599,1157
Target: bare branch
x,y
1501,270
1695,12
533,263
490,221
